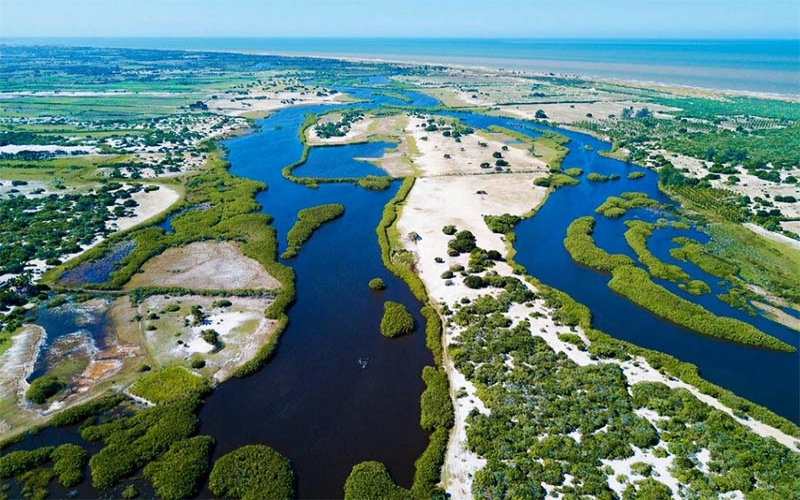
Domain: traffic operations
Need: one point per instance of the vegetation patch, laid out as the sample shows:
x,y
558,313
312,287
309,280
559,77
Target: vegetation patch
x,y
396,321
370,480
252,472
637,234
44,388
377,284
168,385
635,284
178,473
308,221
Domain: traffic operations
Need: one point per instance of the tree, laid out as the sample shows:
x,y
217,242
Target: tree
x,y
540,114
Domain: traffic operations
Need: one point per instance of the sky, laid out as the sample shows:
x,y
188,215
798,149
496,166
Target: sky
x,y
402,18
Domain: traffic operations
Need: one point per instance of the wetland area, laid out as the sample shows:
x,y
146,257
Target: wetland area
x,y
189,339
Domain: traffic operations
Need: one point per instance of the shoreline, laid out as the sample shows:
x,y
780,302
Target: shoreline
x,y
416,60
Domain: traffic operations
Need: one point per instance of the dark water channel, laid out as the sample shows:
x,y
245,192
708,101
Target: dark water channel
x,y
336,393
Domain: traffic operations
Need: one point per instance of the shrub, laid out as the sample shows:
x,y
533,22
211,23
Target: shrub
x,y
68,463
501,223
17,462
178,473
44,388
132,442
573,172
396,320
252,472
449,230
464,242
377,284
371,480
474,281
635,175
221,303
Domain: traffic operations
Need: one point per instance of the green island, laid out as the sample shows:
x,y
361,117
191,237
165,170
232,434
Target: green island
x,y
308,221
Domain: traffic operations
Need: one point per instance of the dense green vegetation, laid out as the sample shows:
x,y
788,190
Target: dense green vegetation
x,y
595,177
371,481
132,442
179,472
617,206
168,385
550,400
396,321
43,388
68,463
501,223
80,413
252,472
573,172
637,234
695,253
770,265
17,462
308,221
636,175
636,285
581,246
377,284
556,181
437,409
375,183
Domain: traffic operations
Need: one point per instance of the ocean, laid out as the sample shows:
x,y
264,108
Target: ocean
x,y
764,66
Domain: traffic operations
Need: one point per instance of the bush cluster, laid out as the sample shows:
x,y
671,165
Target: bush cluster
x,y
396,320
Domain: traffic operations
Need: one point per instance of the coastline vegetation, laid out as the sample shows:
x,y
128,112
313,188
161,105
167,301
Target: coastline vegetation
x,y
308,221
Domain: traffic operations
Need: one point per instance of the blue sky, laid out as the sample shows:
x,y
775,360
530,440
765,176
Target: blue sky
x,y
403,18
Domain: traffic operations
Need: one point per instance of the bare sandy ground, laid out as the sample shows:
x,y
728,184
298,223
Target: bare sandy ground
x,y
448,193
441,156
577,112
779,316
17,364
50,148
265,102
772,236
150,205
204,266
171,336
359,131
